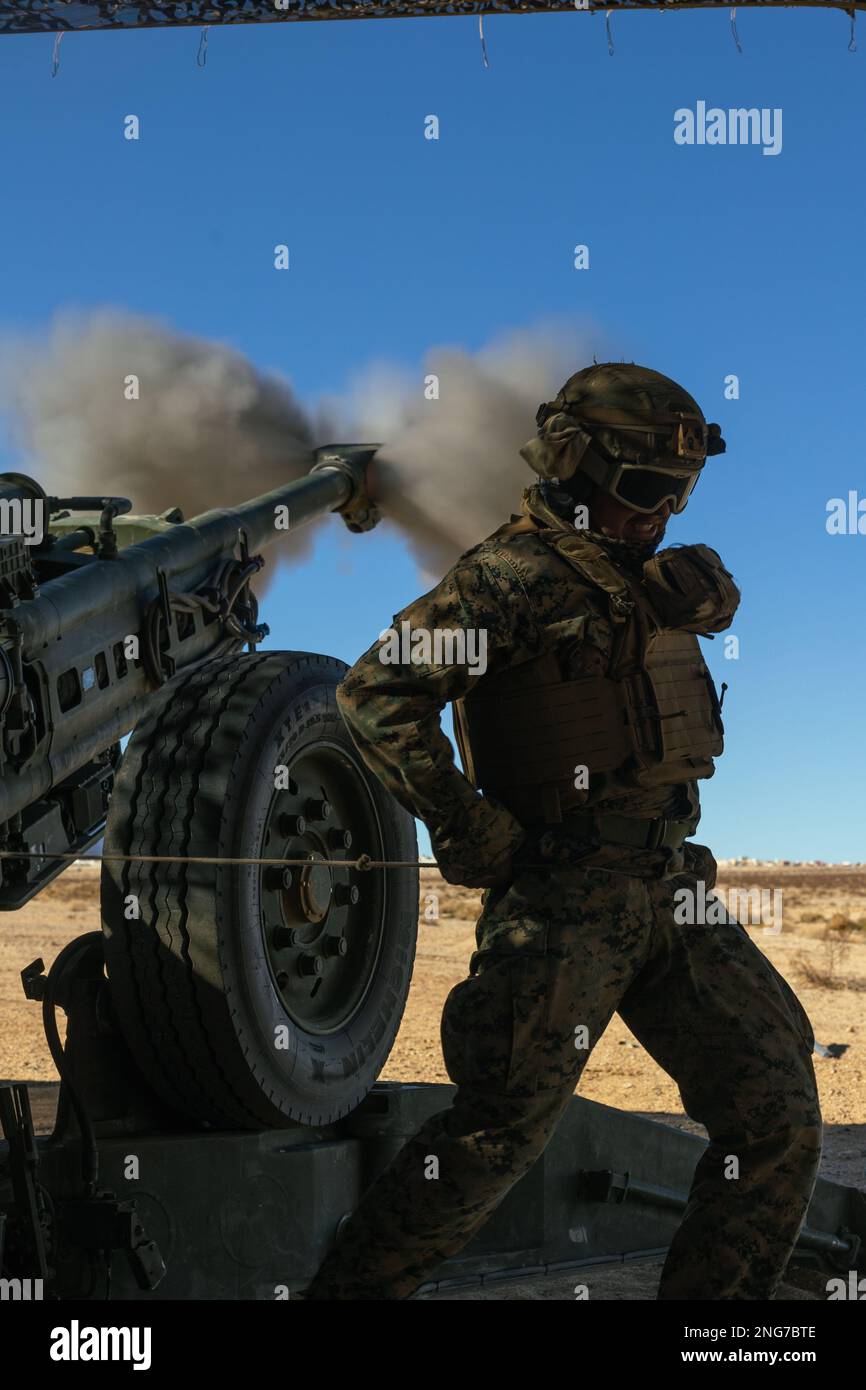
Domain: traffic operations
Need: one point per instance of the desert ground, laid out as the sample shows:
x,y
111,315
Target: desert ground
x,y
821,950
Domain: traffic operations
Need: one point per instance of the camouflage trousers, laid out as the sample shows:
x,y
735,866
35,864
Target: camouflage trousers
x,y
559,953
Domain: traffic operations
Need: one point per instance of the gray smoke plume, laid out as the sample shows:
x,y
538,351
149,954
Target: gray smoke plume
x,y
449,471
209,429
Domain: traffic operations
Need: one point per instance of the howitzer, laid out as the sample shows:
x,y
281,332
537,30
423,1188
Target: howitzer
x,y
97,616
258,973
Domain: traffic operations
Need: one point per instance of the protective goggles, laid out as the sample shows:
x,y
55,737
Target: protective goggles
x,y
647,489
680,452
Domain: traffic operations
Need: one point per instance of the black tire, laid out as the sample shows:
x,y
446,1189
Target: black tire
x,y
220,1017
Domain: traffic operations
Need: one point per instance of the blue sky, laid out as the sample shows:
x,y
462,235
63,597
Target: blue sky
x,y
704,261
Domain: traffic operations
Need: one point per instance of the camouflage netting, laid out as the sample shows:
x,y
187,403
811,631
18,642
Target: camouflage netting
x,y
53,16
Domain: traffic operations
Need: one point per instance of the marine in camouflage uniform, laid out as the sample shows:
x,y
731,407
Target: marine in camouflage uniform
x,y
587,734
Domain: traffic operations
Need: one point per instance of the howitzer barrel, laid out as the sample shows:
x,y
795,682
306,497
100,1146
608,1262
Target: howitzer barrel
x,y
185,554
71,639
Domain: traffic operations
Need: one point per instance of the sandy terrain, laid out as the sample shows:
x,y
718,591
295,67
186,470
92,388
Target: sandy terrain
x,y
822,957
824,960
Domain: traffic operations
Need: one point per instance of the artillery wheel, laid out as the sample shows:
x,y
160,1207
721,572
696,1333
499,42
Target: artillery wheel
x,y
250,995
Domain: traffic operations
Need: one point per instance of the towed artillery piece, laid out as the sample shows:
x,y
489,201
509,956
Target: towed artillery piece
x,y
218,1117
250,993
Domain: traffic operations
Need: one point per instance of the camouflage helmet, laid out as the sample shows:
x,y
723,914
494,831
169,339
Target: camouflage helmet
x,y
631,431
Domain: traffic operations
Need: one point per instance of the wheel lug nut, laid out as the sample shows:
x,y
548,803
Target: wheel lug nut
x,y
291,825
339,839
275,877
310,965
346,895
336,945
317,810
284,936
283,979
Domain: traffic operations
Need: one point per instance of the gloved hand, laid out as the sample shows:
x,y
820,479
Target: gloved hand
x,y
700,861
690,589
475,848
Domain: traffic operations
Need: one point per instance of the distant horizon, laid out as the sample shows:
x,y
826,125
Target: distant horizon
x,y
426,859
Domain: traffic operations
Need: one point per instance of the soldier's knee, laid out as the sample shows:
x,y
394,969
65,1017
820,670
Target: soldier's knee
x,y
789,1156
506,1131
804,1106
807,1142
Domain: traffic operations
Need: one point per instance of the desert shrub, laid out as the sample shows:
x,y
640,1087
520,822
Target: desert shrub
x,y
827,971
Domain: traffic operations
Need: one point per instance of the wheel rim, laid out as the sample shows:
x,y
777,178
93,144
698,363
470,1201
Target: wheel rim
x,y
323,923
